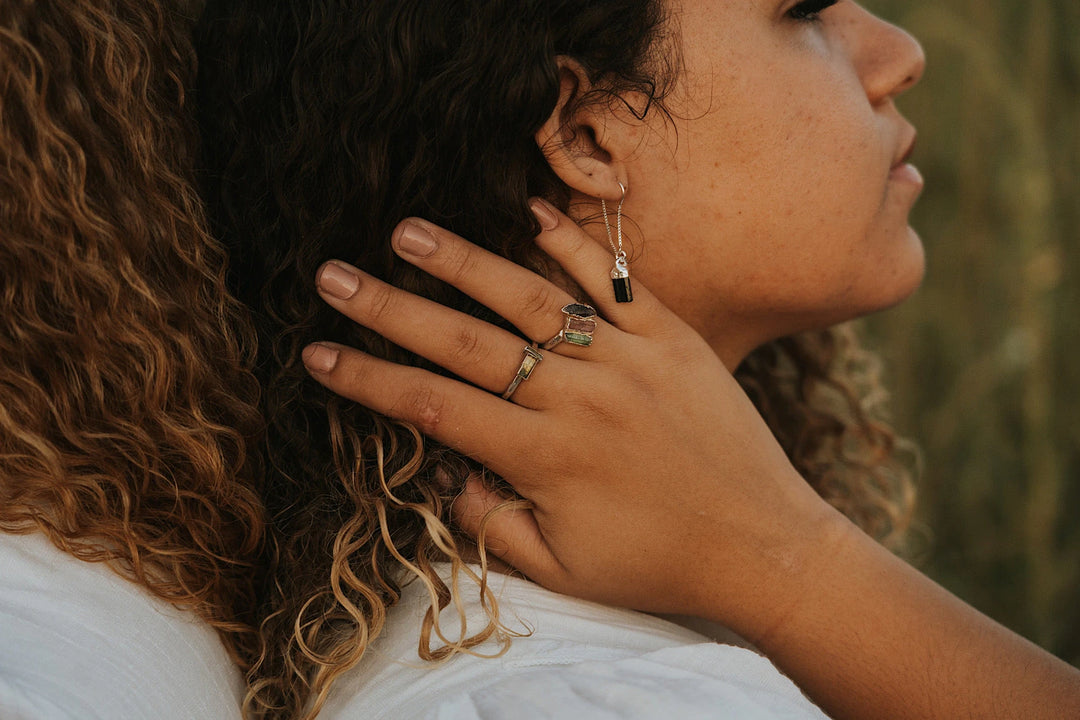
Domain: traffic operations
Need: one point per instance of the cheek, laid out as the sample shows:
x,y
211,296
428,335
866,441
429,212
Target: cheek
x,y
778,200
812,165
796,200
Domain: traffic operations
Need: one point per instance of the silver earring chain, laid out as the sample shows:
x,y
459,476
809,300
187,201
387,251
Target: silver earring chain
x,y
620,254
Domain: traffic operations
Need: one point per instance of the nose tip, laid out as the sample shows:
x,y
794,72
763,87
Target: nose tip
x,y
890,59
916,62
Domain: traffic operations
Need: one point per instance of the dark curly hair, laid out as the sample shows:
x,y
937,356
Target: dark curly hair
x,y
126,411
327,121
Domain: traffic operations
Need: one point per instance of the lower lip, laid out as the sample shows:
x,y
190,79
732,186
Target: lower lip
x,y
907,173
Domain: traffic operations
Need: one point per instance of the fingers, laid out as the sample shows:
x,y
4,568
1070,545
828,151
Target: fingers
x,y
509,533
529,301
469,420
472,349
589,263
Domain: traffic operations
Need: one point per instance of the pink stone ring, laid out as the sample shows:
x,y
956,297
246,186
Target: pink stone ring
x,y
578,327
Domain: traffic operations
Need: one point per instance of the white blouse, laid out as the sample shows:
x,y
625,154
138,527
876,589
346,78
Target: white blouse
x,y
582,660
78,642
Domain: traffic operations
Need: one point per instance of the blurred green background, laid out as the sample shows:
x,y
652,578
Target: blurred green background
x,y
982,361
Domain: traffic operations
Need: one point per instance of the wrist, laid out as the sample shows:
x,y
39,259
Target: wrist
x,y
776,566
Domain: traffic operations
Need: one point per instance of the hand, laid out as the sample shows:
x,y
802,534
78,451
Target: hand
x,y
653,481
654,484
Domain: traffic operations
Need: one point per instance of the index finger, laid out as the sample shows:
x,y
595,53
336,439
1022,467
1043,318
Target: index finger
x,y
532,303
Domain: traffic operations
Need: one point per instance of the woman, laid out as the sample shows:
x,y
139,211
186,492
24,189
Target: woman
x,y
131,531
759,160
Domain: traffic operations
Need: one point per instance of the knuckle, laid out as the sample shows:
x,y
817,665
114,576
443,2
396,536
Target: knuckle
x,y
423,407
576,242
604,406
460,261
680,353
601,411
351,376
466,346
538,300
380,302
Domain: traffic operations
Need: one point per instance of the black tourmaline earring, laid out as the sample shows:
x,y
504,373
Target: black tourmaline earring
x,y
620,274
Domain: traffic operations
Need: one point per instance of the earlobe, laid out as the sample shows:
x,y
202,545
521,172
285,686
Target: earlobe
x,y
579,139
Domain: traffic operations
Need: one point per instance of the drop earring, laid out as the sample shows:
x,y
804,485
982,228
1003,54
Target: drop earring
x,y
620,274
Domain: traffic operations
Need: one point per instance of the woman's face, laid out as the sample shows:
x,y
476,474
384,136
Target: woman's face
x,y
779,200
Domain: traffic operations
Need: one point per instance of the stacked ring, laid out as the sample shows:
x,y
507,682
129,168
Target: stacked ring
x,y
528,364
578,326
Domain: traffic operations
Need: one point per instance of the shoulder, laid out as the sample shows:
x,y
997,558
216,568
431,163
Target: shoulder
x,y
704,681
578,660
78,641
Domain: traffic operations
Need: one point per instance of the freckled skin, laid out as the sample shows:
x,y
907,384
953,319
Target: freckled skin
x,y
767,207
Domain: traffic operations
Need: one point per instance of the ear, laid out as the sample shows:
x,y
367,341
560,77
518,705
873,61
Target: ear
x,y
586,144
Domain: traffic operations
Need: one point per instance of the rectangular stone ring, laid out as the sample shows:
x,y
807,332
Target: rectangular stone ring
x,y
578,327
528,364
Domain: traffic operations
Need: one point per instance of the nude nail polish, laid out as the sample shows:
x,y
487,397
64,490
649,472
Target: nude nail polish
x,y
411,239
320,358
544,213
338,280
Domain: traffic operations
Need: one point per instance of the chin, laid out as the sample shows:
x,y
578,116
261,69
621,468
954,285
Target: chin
x,y
885,279
893,281
904,276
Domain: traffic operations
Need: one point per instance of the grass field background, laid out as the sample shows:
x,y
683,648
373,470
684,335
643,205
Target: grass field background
x,y
984,362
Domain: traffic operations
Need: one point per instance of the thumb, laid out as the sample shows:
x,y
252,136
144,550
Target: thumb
x,y
506,528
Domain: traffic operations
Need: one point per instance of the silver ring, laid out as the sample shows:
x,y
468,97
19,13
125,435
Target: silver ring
x,y
528,364
578,326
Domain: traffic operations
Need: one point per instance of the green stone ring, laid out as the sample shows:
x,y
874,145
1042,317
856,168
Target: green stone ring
x,y
578,326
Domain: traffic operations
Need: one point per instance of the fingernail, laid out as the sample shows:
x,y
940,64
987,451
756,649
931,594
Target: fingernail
x,y
338,280
319,358
545,213
412,239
